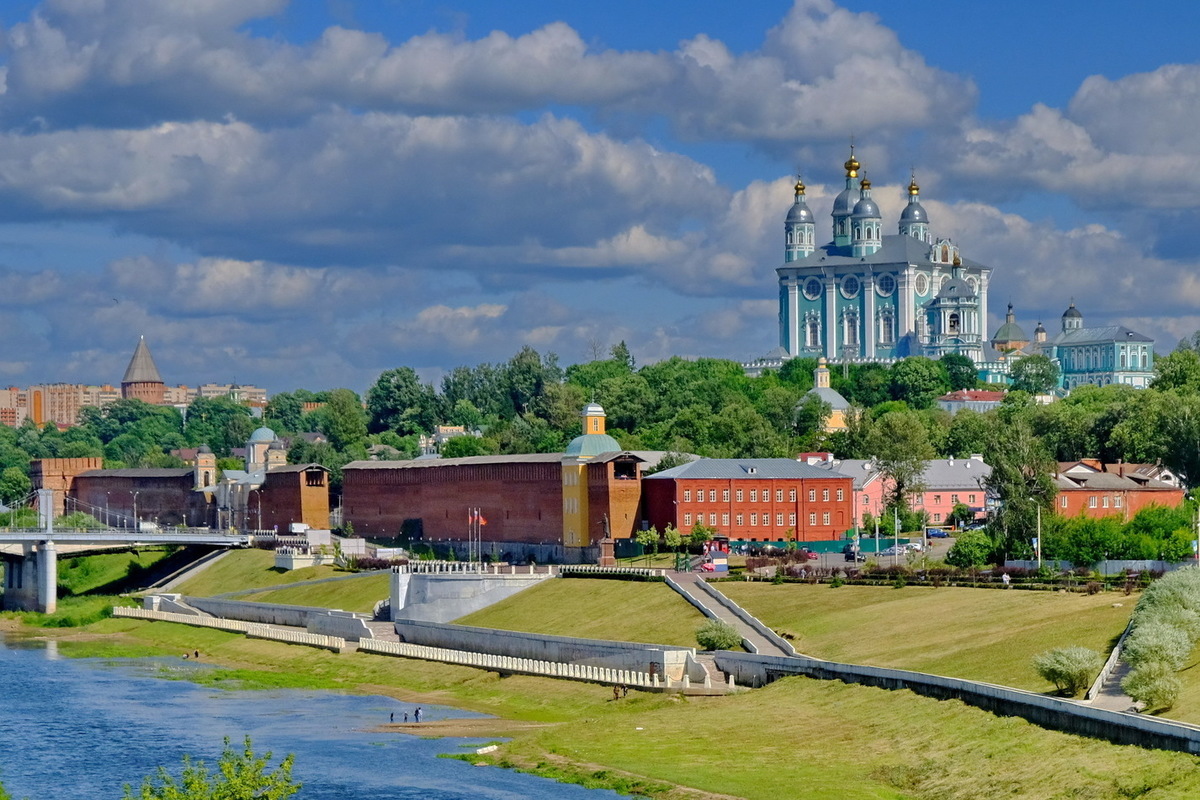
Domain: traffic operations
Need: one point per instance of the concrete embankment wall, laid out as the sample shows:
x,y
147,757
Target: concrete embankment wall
x,y
330,622
251,629
1050,712
668,660
443,597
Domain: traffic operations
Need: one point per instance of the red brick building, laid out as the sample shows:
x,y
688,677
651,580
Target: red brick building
x,y
754,499
292,493
1092,493
520,496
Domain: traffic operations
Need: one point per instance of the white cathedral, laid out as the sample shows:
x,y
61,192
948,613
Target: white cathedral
x,y
871,297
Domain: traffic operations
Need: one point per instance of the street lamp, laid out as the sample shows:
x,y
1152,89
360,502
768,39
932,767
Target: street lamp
x,y
135,514
107,518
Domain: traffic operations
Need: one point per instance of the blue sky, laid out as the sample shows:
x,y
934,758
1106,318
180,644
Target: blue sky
x,y
305,194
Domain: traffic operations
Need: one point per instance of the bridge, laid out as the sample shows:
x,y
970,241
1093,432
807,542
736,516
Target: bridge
x,y
31,575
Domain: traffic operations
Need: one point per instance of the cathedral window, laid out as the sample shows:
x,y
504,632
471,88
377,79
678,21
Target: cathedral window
x,y
812,288
885,285
850,334
887,327
812,331
953,324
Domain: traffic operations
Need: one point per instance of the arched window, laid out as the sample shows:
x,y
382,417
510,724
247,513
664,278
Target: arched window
x,y
813,333
953,323
887,329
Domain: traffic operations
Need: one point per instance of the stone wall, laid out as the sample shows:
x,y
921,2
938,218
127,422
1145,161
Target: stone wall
x,y
1049,712
668,660
446,597
333,622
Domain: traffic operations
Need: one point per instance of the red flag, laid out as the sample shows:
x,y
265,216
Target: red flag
x,y
482,521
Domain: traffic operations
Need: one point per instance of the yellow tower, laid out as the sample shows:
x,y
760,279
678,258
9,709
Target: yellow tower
x,y
582,449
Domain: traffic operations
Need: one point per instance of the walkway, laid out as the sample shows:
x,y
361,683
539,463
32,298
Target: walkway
x,y
688,583
1111,696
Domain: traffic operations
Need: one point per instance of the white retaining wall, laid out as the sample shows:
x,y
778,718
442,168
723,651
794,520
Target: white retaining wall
x,y
1050,712
668,660
748,618
1109,665
532,666
441,596
331,622
251,629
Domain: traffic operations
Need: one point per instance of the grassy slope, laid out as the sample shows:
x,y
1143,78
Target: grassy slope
x,y
81,574
795,738
247,569
596,609
355,594
981,634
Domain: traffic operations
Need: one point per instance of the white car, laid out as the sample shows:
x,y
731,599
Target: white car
x,y
894,550
916,547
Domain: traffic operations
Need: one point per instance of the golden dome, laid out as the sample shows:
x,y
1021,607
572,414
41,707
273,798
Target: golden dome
x,y
799,187
864,184
913,189
852,165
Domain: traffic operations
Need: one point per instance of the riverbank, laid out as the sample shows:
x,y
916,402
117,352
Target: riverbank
x,y
796,736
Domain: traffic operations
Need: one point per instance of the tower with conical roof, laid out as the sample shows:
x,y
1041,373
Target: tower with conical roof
x,y
142,380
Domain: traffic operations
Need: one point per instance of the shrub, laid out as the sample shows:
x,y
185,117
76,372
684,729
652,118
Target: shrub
x,y
717,635
1153,683
836,582
1070,669
1157,642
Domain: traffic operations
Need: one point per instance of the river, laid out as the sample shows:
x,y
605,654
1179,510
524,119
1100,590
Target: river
x,y
80,729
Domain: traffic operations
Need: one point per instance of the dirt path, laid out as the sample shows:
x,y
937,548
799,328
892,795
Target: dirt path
x,y
481,727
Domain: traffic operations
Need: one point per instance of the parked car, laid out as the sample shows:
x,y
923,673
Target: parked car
x,y
808,552
707,566
916,547
939,533
894,550
855,555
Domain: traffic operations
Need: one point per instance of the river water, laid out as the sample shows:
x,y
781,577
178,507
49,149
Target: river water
x,y
80,729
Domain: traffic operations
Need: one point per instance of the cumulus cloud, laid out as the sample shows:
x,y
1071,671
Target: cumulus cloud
x,y
123,62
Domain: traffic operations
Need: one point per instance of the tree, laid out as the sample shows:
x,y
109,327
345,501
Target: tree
x,y
239,776
960,370
811,414
1070,669
971,549
399,402
672,537
620,353
14,485
900,444
345,421
1021,480
717,635
461,446
1035,374
648,539
918,381
1178,370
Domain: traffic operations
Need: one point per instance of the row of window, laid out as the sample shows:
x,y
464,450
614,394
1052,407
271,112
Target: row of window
x,y
1092,500
740,519
919,500
740,494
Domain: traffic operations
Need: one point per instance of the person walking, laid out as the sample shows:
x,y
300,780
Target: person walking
x,y
417,714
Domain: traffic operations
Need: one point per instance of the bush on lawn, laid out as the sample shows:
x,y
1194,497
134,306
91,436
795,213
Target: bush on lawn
x,y
1153,683
717,635
1070,669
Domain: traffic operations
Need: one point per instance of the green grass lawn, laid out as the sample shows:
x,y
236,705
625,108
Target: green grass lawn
x,y
248,569
794,738
80,574
354,594
981,634
596,609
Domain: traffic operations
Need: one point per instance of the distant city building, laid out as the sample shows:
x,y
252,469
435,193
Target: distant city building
x,y
839,407
752,499
980,400
947,482
866,296
1091,489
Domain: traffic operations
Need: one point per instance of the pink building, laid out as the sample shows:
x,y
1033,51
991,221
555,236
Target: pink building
x,y
948,482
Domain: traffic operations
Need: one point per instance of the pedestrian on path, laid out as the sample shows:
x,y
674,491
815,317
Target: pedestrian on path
x,y
417,714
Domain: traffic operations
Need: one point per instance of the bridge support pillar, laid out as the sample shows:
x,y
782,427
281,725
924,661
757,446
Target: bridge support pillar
x,y
21,581
47,580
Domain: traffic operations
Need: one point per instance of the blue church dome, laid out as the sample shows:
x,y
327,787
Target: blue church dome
x,y
592,444
800,212
262,435
914,212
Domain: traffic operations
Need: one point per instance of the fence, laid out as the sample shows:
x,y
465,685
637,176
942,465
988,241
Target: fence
x,y
592,569
252,629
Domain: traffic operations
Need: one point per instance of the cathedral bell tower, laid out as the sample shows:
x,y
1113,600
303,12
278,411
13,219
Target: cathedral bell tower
x,y
800,227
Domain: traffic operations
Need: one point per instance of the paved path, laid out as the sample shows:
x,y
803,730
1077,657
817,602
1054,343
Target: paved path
x,y
687,583
1110,696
